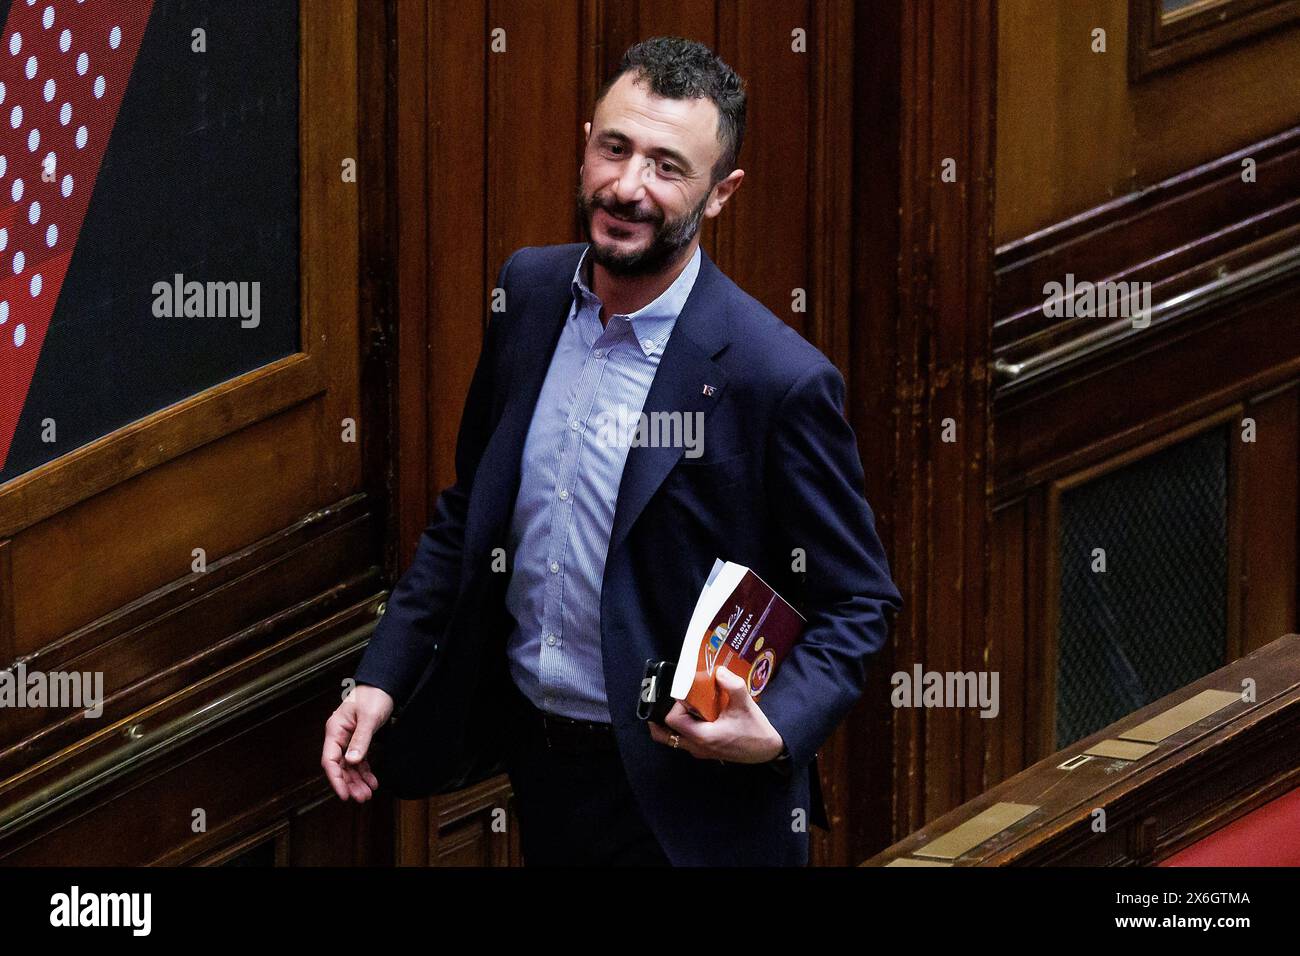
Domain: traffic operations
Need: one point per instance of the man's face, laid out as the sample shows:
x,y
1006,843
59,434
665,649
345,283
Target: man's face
x,y
647,177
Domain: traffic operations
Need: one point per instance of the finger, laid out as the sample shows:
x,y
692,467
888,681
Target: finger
x,y
680,719
665,737
356,786
737,690
368,775
683,742
360,743
331,759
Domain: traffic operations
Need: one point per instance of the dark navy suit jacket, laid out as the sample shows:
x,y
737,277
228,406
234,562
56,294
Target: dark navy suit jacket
x,y
779,485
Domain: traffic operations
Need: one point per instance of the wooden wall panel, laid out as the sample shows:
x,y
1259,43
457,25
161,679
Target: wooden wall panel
x,y
764,237
97,553
940,255
104,553
1269,490
1074,133
490,180
1009,599
446,268
534,130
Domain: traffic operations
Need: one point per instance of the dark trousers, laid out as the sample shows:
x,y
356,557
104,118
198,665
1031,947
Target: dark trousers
x,y
575,807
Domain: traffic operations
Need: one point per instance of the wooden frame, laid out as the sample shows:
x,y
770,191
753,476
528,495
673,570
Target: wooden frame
x,y
1046,646
292,542
1197,780
1158,41
328,222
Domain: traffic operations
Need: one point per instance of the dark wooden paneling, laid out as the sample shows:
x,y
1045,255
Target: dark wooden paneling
x,y
534,130
1180,233
468,829
1223,341
1197,779
1158,41
1158,384
941,333
475,184
243,746
218,682
1075,133
1268,492
1008,602
177,635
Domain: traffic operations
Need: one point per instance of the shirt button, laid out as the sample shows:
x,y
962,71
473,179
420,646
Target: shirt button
x,y
564,494
550,640
546,701
647,344
600,353
574,425
555,566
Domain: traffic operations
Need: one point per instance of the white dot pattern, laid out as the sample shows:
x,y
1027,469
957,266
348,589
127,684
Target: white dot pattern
x,y
67,61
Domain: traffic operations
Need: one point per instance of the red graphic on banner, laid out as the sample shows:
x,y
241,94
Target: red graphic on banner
x,y
64,65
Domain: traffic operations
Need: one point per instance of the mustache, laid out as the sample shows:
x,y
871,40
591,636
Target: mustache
x,y
628,213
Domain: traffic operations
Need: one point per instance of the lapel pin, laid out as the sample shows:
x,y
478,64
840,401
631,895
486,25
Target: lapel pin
x,y
708,389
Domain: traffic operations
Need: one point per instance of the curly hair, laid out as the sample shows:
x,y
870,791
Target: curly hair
x,y
677,68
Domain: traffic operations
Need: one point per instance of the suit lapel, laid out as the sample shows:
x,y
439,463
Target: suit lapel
x,y
702,331
686,367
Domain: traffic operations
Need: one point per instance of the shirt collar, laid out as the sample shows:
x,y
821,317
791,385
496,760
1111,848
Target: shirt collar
x,y
653,322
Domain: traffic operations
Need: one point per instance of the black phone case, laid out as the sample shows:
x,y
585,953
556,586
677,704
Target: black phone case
x,y
655,701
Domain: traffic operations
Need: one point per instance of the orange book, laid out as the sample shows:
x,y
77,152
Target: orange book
x,y
739,623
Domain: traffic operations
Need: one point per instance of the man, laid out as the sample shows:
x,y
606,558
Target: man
x,y
570,552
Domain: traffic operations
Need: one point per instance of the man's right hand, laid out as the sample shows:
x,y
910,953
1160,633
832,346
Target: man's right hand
x,y
347,741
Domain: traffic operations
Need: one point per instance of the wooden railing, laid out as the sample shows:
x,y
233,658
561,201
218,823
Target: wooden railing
x,y
1143,788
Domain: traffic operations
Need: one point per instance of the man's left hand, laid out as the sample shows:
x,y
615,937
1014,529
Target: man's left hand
x,y
741,734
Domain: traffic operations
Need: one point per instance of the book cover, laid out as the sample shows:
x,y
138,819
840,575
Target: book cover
x,y
739,623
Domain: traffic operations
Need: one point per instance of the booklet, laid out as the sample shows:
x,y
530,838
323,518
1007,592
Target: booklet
x,y
741,624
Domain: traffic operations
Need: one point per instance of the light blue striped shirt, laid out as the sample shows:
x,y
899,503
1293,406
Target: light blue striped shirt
x,y
572,464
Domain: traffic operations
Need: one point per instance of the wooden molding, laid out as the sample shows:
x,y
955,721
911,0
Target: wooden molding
x,y
1195,780
1157,42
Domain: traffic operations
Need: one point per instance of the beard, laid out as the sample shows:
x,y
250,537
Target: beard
x,y
669,238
